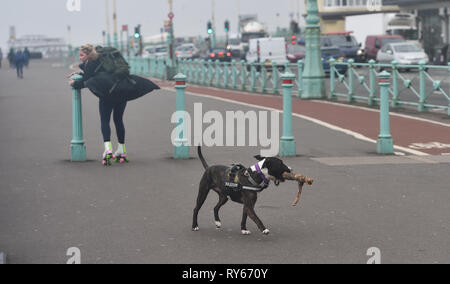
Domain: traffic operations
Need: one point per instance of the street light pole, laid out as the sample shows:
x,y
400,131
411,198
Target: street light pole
x,y
171,43
313,75
116,40
213,21
108,30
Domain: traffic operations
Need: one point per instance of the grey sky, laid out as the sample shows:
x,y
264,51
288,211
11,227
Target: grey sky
x,y
50,17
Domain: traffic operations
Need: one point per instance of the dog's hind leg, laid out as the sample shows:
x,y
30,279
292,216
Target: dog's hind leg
x,y
222,200
244,230
203,191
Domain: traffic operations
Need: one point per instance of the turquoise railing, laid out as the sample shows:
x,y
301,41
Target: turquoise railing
x,y
359,83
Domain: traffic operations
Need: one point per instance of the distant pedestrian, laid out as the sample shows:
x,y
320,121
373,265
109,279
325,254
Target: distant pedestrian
x,y
19,62
11,58
106,75
1,58
27,54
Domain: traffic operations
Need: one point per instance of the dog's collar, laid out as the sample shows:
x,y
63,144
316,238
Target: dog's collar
x,y
258,170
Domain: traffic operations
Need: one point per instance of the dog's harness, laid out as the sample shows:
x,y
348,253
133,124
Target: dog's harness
x,y
233,183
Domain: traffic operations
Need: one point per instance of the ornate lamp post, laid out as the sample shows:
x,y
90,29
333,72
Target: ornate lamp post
x,y
313,75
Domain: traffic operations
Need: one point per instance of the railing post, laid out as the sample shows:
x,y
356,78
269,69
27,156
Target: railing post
x,y
210,72
264,79
351,81
275,78
203,72
181,150
288,146
448,109
225,74
373,87
218,73
188,71
423,87
243,75
233,74
146,66
395,89
332,79
385,143
253,77
300,78
77,145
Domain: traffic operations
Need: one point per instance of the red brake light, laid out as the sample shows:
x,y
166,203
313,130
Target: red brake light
x,y
190,52
212,55
229,54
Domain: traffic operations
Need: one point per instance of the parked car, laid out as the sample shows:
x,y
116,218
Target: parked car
x,y
221,54
295,53
405,53
267,50
333,52
187,51
346,43
156,51
375,43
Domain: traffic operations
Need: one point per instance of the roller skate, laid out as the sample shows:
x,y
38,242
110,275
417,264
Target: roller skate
x,y
121,155
107,155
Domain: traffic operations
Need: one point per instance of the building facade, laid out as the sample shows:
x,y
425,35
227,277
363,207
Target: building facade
x,y
332,13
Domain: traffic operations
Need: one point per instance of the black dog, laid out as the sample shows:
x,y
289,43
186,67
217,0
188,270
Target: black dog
x,y
251,180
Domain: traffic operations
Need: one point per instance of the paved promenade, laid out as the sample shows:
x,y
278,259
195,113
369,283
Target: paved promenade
x,y
142,212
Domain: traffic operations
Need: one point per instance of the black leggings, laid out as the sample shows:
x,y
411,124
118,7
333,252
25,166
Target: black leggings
x,y
105,117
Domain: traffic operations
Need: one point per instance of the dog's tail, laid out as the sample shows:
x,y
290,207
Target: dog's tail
x,y
202,159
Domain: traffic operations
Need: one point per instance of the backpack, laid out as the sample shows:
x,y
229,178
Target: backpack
x,y
112,62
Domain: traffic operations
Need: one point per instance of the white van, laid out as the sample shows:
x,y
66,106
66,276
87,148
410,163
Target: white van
x,y
267,50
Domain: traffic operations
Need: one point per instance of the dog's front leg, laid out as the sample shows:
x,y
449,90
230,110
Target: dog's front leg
x,y
249,207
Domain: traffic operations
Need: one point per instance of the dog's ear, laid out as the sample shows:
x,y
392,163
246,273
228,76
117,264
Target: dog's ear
x,y
259,158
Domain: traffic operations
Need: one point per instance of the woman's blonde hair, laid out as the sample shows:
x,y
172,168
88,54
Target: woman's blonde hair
x,y
90,51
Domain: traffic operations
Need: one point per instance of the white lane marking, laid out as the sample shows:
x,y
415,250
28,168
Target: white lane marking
x,y
319,122
392,113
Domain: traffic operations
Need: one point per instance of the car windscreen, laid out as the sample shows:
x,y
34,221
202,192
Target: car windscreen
x,y
386,41
407,48
330,52
296,49
343,40
234,41
161,49
185,48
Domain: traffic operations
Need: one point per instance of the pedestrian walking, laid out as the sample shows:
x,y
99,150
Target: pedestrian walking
x,y
106,74
27,54
1,58
19,61
11,57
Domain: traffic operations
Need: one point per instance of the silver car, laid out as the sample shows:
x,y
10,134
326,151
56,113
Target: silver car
x,y
405,53
156,51
187,51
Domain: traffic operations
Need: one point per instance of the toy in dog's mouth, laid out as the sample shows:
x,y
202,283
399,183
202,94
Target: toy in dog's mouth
x,y
301,181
